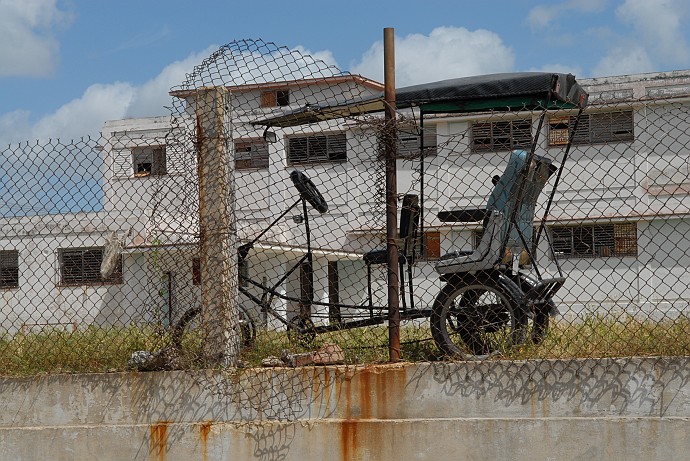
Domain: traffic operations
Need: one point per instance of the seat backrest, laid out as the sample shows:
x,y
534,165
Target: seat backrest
x,y
519,179
409,222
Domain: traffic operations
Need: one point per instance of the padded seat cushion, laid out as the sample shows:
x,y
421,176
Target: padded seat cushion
x,y
376,257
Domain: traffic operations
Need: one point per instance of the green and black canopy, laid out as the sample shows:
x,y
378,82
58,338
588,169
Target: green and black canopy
x,y
493,92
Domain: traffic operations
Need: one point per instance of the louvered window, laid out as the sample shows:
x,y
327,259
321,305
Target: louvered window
x,y
501,135
595,240
409,141
251,153
9,269
594,128
82,266
317,148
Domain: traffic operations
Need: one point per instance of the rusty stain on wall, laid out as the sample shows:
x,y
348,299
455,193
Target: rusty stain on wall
x,y
204,430
348,439
375,392
158,441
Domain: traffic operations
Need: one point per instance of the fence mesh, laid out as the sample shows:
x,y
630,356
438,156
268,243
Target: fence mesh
x,y
204,238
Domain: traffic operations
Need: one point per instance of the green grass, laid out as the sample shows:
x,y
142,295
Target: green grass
x,y
625,336
109,349
89,350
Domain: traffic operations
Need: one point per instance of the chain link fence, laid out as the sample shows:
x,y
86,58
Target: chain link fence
x,y
209,238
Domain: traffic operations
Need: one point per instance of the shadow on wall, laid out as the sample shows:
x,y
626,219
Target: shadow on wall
x,y
264,410
579,387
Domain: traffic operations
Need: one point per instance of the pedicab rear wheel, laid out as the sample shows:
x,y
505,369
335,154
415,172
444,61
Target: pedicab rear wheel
x,y
476,316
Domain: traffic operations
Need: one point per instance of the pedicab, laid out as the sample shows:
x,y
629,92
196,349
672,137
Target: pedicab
x,y
493,296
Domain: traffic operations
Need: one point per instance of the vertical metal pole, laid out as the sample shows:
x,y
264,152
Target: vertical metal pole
x,y
391,195
218,240
422,238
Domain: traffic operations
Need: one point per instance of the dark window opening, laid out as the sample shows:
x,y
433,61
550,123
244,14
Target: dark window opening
x,y
9,269
82,266
149,161
283,98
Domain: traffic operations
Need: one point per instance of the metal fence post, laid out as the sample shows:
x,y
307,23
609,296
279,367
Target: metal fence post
x,y
217,228
391,195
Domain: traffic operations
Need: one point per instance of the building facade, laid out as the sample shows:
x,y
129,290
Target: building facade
x,y
618,224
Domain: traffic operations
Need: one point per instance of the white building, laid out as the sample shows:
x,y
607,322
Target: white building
x,y
619,221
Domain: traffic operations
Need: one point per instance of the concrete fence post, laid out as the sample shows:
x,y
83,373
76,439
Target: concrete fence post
x,y
217,228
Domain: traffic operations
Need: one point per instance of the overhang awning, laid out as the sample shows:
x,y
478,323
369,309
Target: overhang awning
x,y
493,92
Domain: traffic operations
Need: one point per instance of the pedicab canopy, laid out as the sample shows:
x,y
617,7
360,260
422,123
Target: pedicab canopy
x,y
493,92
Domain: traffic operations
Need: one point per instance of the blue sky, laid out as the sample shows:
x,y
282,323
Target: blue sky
x,y
66,66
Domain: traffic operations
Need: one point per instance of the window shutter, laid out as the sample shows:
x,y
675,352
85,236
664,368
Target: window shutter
x,y
337,147
562,241
582,133
297,150
122,163
317,148
430,141
269,99
622,126
521,135
159,161
252,153
409,144
595,240
558,130
625,239
603,128
501,135
481,137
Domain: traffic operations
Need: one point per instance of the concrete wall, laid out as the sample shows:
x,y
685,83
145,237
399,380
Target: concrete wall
x,y
589,409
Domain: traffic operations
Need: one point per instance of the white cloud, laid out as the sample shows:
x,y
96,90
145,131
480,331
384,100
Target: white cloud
x,y
447,52
13,127
624,60
100,102
151,98
656,38
660,25
80,117
110,101
542,16
86,115
325,55
28,46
